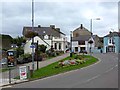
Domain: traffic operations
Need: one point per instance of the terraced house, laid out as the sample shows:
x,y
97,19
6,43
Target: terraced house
x,y
112,42
80,39
49,36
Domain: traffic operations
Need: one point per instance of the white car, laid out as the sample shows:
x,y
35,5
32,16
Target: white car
x,y
3,61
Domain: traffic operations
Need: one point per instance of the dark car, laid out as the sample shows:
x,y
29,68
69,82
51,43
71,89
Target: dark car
x,y
83,51
39,58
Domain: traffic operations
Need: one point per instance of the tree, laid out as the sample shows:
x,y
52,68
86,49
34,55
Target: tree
x,y
31,34
18,41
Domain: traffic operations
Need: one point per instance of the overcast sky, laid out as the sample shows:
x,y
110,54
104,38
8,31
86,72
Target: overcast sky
x,y
66,15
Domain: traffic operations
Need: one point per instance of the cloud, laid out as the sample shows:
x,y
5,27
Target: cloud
x,y
65,15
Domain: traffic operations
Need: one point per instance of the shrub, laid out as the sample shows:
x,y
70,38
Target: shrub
x,y
79,57
43,55
42,48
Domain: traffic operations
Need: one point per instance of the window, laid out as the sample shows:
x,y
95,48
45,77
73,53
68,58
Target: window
x,y
55,45
76,49
49,37
59,46
110,40
81,42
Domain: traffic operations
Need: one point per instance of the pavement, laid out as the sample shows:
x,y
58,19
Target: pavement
x,y
103,74
4,77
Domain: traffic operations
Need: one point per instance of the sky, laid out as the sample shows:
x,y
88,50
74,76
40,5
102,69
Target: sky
x,y
64,14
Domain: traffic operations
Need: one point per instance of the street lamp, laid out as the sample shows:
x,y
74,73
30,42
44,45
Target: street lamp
x,y
33,31
70,43
91,25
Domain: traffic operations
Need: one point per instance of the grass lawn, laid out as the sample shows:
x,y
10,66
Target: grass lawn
x,y
51,70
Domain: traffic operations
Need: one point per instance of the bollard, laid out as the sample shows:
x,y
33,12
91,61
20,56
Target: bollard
x,y
9,75
31,72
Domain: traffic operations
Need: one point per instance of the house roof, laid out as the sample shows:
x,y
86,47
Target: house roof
x,y
81,31
81,38
44,30
113,34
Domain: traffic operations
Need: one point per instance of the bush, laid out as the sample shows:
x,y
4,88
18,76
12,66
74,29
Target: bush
x,y
79,57
50,53
43,55
19,51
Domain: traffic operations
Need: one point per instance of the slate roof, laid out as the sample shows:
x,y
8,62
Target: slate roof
x,y
81,38
41,30
113,34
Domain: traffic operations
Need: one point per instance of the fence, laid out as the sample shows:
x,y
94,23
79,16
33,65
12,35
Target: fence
x,y
12,75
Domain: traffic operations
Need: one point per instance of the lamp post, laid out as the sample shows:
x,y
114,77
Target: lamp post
x,y
32,37
91,25
70,43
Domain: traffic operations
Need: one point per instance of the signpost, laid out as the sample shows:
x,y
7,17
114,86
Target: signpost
x,y
23,72
32,46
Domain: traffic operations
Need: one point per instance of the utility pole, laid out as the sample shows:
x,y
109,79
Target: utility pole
x,y
33,37
37,55
70,43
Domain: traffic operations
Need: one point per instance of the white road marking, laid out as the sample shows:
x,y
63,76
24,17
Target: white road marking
x,y
93,78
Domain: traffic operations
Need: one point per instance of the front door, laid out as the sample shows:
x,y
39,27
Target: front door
x,y
111,49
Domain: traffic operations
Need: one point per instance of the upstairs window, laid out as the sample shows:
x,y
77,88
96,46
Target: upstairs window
x,y
81,42
110,40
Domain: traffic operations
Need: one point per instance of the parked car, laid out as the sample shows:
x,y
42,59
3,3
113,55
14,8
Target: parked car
x,y
3,61
67,50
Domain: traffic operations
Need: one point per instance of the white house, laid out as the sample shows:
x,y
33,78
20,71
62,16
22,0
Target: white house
x,y
80,38
81,43
49,36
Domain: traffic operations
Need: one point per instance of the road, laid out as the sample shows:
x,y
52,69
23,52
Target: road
x,y
103,74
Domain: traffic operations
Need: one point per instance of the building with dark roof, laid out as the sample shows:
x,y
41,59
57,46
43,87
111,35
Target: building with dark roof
x,y
80,39
112,42
49,36
42,31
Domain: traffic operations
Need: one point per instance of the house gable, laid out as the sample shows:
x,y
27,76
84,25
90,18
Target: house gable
x,y
81,31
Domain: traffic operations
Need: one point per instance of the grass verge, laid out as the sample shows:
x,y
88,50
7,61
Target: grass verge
x,y
51,70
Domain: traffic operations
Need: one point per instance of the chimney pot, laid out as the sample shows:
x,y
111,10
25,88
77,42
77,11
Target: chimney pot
x,y
39,25
81,26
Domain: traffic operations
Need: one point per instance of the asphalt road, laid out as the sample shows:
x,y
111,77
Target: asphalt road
x,y
103,74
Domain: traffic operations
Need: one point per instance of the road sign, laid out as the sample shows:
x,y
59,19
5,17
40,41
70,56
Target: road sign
x,y
32,46
23,72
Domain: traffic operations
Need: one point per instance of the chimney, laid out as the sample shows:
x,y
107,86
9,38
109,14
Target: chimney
x,y
58,29
52,26
81,27
39,26
110,32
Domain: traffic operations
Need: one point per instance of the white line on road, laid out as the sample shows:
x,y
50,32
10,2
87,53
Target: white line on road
x,y
111,69
93,78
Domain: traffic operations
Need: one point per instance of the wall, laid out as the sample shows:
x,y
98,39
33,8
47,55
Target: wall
x,y
27,48
105,44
